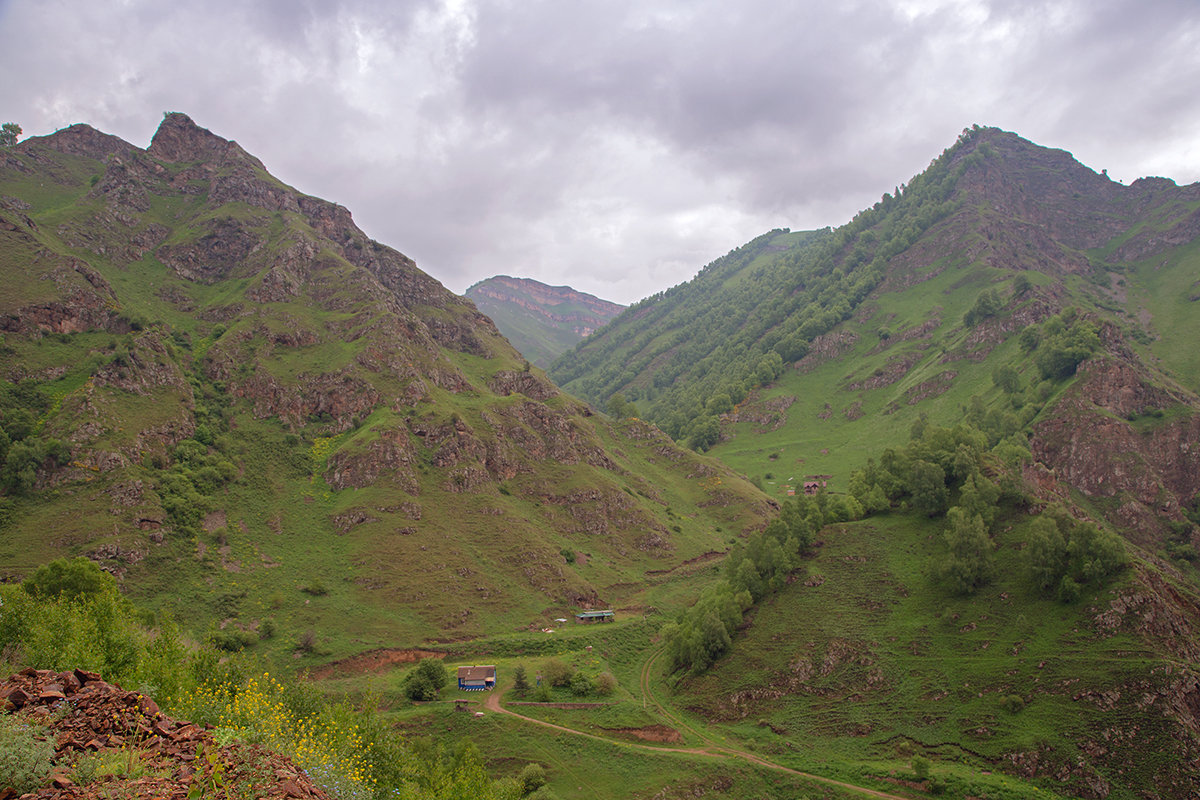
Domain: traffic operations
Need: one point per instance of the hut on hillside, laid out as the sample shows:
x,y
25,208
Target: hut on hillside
x,y
476,678
589,617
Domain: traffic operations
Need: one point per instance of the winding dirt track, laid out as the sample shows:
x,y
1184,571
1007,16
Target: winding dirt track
x,y
712,750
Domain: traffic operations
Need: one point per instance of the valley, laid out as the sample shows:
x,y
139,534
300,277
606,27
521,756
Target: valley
x,y
314,477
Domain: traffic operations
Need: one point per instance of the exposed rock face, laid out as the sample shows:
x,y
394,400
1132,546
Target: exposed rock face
x,y
1150,468
582,311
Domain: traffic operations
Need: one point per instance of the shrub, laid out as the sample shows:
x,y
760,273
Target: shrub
x,y
532,778
557,673
1013,703
606,684
24,756
920,768
426,680
581,685
315,587
68,578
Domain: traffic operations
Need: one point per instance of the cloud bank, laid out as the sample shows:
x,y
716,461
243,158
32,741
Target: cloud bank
x,y
615,146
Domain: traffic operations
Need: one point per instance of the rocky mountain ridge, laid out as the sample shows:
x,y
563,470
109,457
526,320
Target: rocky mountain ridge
x,y
995,213
541,321
204,366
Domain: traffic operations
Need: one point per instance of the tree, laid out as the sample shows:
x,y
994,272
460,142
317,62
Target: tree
x,y
426,680
557,673
1046,553
969,563
520,681
1006,378
72,579
9,134
927,485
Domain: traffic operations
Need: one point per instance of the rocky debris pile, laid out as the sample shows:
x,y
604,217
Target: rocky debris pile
x,y
169,759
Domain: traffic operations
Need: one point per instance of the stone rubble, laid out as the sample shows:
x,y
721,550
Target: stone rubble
x,y
84,714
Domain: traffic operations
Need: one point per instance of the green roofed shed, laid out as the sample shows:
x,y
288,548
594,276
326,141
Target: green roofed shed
x,y
594,616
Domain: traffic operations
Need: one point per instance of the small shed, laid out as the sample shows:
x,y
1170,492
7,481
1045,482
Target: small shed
x,y
477,678
589,617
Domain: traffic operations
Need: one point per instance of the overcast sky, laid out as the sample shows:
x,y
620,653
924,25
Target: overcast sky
x,y
613,145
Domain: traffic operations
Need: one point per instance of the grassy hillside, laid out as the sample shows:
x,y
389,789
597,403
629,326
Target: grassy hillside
x,y
864,663
288,435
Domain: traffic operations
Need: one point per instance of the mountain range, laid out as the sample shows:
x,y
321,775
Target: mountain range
x,y
910,504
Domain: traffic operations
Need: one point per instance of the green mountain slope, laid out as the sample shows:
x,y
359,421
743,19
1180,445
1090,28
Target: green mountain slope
x,y
541,321
804,354
257,417
1010,288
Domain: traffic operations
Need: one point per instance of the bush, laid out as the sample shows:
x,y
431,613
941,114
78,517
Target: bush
x,y
557,673
1013,703
532,778
606,684
70,579
24,756
581,685
426,680
920,768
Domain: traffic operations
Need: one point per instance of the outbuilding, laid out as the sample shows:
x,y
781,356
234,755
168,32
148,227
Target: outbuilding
x,y
477,678
594,616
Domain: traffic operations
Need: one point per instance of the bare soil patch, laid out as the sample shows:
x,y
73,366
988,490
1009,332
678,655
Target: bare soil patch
x,y
373,661
650,733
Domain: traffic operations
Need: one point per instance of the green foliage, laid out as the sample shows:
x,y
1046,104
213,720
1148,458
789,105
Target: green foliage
x,y
702,634
927,486
581,685
620,408
96,632
69,579
520,681
1013,703
988,304
920,767
25,754
426,681
1064,554
939,461
1006,378
9,133
1064,342
557,673
532,778
606,684
968,563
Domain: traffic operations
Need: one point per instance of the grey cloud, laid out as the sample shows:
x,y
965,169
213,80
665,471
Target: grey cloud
x,y
616,146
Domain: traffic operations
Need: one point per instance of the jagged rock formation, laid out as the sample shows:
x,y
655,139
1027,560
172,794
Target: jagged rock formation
x,y
541,321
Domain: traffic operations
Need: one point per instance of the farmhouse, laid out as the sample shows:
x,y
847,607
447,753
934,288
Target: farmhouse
x,y
594,616
477,679
815,483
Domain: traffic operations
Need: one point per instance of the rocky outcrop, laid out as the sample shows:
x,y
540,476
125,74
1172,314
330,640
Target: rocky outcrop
x,y
1109,437
83,714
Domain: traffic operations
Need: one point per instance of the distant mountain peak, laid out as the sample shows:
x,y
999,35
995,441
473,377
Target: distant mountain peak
x,y
541,321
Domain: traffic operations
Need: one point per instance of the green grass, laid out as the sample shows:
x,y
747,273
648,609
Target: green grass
x,y
874,654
